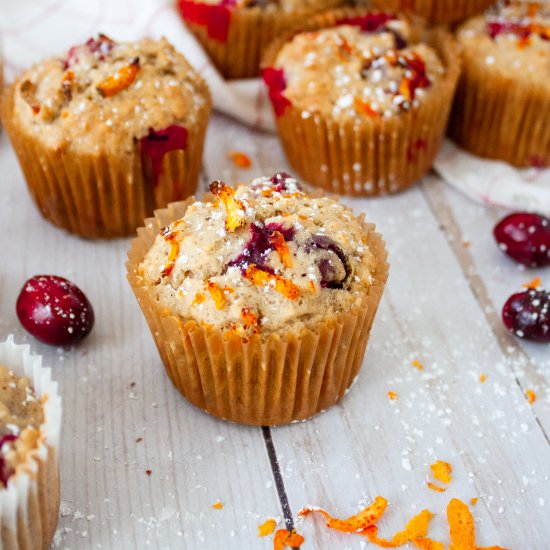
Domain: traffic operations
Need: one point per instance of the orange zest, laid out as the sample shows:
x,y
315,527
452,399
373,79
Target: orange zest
x,y
442,471
365,108
250,319
392,396
405,88
218,294
482,377
260,277
240,160
199,299
234,208
534,284
120,80
267,527
217,505
417,528
434,487
277,239
418,365
354,524
428,544
28,92
473,501
531,396
287,538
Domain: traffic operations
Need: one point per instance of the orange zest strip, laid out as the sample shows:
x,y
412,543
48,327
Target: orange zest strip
x,y
28,92
365,108
234,208
240,160
217,505
171,261
277,239
199,299
473,501
534,284
442,471
482,377
392,396
217,294
405,88
531,396
354,524
119,81
250,319
262,278
461,526
428,544
267,527
435,487
417,528
418,365
287,538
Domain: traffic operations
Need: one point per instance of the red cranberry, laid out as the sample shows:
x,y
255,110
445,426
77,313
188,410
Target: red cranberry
x,y
527,315
525,238
54,310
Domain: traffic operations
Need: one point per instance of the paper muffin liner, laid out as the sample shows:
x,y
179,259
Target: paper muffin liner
x,y
104,195
436,11
235,39
259,381
497,117
29,505
368,157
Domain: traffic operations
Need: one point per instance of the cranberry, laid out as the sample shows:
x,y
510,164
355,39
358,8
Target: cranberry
x,y
275,81
329,256
54,310
371,22
100,48
527,315
156,144
5,471
525,237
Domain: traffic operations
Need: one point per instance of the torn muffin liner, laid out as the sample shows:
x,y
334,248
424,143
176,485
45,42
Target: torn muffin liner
x,y
436,11
368,156
260,380
107,194
498,117
237,49
29,505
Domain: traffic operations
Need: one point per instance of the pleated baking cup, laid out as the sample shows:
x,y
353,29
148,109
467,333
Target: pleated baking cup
x,y
29,505
103,195
499,116
367,156
266,381
436,11
235,39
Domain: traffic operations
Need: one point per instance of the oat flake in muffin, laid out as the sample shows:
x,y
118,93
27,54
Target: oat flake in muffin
x,y
106,95
345,72
261,259
21,415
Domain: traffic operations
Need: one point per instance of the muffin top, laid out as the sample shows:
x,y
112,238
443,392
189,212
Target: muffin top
x,y
260,259
364,67
288,5
512,38
106,95
21,415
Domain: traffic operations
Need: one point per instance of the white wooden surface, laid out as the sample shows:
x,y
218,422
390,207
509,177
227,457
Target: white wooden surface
x,y
447,284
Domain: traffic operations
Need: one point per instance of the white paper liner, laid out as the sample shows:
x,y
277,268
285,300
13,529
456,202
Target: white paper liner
x,y
29,505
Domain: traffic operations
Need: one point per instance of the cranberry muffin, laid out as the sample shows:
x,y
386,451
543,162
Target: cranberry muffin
x,y
30,422
435,11
235,33
502,107
108,132
361,104
260,298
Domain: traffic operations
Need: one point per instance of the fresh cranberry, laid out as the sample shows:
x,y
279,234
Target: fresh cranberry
x,y
100,47
527,315
327,261
54,310
371,22
156,144
5,471
275,81
525,237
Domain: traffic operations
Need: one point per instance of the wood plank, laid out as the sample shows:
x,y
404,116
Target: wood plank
x,y
114,392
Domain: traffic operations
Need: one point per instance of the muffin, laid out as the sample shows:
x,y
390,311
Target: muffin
x,y
502,107
361,104
436,11
108,133
260,299
235,33
30,422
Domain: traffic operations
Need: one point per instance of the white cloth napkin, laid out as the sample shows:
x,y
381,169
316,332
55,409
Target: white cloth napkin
x,y
51,27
